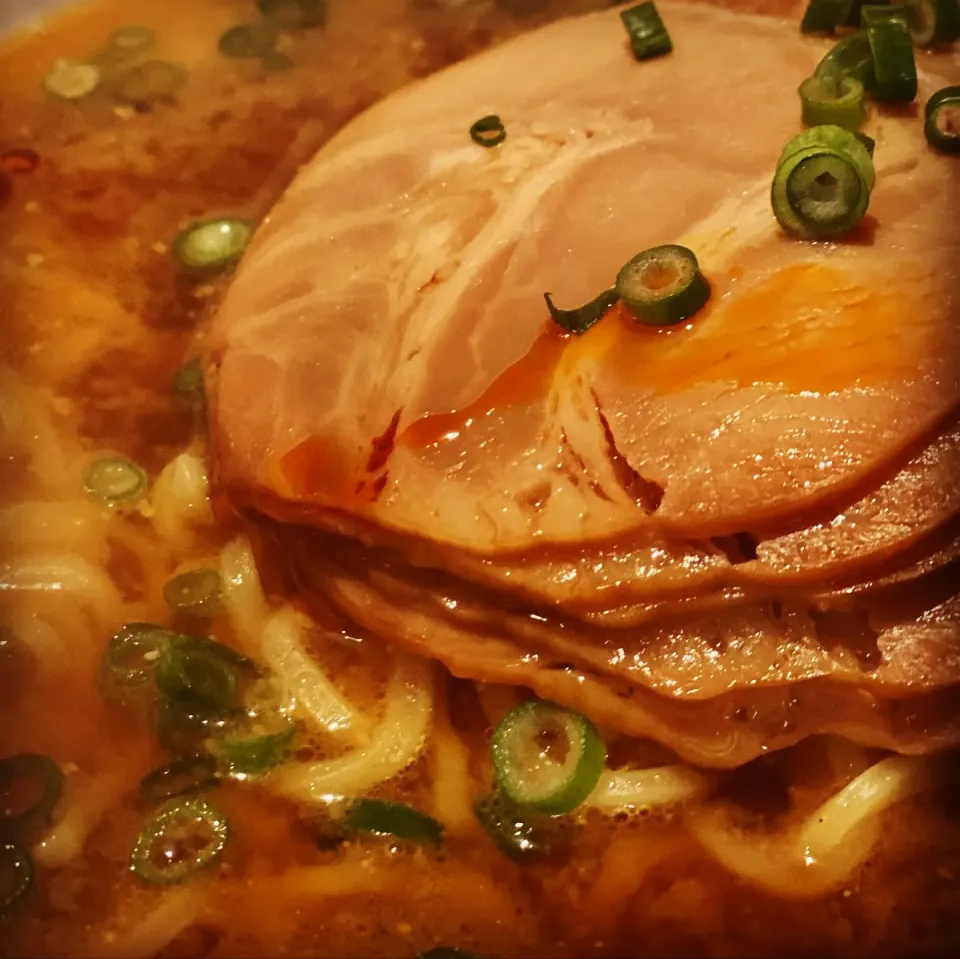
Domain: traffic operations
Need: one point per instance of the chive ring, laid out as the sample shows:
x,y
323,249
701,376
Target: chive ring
x,y
488,131
835,102
663,285
932,22
133,39
894,63
72,79
194,593
646,30
187,835
850,57
43,778
941,124
115,480
181,778
547,757
209,246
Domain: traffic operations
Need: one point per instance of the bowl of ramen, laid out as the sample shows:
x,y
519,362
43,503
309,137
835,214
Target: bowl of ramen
x,y
480,478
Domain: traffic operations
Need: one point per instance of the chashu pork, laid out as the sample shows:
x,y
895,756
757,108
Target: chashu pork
x,y
725,536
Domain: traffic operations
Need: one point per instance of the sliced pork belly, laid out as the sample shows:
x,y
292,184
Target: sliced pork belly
x,y
384,352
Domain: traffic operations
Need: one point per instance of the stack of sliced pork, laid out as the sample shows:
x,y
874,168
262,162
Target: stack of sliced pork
x,y
726,535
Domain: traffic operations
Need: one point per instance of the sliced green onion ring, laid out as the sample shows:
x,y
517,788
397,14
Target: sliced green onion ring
x,y
580,320
525,835
183,728
16,875
195,593
294,14
134,39
72,79
255,755
209,246
645,28
488,131
547,757
184,777
249,40
932,22
30,788
871,13
663,285
894,63
824,16
941,124
822,185
838,102
194,679
133,653
383,817
149,83
188,385
185,836
115,480
850,57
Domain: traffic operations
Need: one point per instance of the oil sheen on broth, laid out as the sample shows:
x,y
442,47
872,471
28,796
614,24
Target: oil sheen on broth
x,y
96,323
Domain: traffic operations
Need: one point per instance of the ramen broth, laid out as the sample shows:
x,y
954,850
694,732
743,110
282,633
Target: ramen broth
x,y
96,321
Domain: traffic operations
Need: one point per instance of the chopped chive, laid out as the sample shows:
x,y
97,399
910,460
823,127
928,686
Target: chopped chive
x,y
249,40
209,246
197,680
932,22
824,16
850,57
194,593
383,817
184,777
525,835
893,58
663,286
72,79
24,810
150,83
114,480
822,185
188,385
839,102
255,755
488,131
580,320
648,34
132,655
16,875
942,120
547,757
187,835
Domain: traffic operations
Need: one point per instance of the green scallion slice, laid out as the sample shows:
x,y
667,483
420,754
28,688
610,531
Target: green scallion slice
x,y
184,777
547,757
195,679
30,788
294,14
941,124
209,246
580,320
822,185
488,131
135,39
115,481
824,16
663,285
932,22
648,34
871,13
184,729
249,40
72,79
16,875
195,593
255,755
133,653
186,835
894,64
147,84
383,817
188,385
850,57
525,835
837,102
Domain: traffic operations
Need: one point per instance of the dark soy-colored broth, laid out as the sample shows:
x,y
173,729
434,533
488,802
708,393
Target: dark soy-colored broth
x,y
95,322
